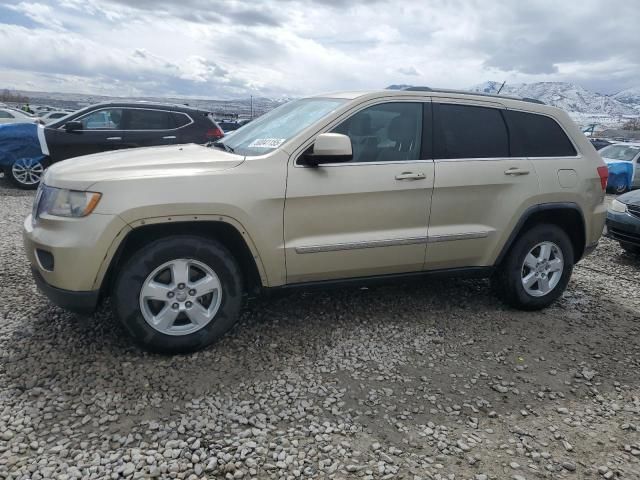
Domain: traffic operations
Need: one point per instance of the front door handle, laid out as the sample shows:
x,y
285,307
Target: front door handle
x,y
516,171
411,176
169,137
114,138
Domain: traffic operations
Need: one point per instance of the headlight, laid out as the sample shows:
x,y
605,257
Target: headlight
x,y
618,206
65,203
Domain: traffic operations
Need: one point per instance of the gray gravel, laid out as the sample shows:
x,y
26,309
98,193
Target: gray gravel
x,y
427,380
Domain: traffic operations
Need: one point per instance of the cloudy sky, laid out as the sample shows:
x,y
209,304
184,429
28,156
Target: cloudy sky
x,y
231,48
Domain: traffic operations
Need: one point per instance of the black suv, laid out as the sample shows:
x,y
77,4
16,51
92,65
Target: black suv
x,y
116,125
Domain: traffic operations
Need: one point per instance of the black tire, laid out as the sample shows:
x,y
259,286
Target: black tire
x,y
9,172
126,294
628,247
507,280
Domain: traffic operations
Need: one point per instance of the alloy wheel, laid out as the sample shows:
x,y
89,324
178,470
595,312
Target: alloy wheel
x,y
27,172
542,269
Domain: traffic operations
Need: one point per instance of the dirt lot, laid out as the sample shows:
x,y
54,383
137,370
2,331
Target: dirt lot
x,y
434,379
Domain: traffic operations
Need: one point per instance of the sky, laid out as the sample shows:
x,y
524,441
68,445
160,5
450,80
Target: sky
x,y
226,49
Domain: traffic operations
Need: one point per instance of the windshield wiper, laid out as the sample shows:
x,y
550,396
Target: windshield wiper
x,y
221,145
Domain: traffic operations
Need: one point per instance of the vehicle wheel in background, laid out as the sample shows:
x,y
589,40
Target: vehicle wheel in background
x,y
628,247
26,173
179,294
536,270
618,184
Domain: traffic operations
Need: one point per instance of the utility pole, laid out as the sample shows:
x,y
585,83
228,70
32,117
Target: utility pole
x,y
251,107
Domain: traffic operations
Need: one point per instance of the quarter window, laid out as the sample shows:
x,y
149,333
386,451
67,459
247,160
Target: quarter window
x,y
537,136
180,119
106,119
467,131
140,119
385,133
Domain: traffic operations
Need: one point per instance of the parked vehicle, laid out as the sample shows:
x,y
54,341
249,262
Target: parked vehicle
x,y
114,126
11,115
52,116
599,143
623,161
343,189
623,221
229,125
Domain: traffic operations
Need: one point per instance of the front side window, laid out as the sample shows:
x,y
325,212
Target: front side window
x,y
107,119
626,153
389,132
271,130
140,119
467,131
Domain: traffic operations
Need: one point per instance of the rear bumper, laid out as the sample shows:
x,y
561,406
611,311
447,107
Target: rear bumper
x,y
623,227
79,302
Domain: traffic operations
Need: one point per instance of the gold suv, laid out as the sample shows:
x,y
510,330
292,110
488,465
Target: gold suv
x,y
346,187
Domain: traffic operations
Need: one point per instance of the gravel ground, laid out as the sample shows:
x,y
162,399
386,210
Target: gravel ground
x,y
431,380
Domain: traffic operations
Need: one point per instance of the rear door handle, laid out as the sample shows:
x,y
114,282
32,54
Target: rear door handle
x,y
169,137
516,171
411,176
114,138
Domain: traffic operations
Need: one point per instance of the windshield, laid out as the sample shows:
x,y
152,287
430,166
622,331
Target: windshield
x,y
620,152
271,130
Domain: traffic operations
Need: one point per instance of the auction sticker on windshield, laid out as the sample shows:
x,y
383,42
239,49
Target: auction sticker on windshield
x,y
267,142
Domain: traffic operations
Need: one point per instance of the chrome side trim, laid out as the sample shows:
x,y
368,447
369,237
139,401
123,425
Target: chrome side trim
x,y
336,247
457,236
358,245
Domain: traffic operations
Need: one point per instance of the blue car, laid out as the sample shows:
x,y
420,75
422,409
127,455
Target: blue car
x,y
21,157
623,160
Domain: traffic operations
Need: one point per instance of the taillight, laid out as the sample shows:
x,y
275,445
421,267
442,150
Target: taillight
x,y
215,133
603,173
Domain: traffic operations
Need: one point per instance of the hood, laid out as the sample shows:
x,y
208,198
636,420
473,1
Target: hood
x,y
166,161
630,198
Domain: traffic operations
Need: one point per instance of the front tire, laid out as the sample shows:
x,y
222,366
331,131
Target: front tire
x,y
26,173
536,270
179,294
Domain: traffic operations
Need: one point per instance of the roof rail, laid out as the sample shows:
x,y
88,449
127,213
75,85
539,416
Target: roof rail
x,y
467,92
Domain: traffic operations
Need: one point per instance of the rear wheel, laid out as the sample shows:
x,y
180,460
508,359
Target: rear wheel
x,y
26,173
537,269
179,294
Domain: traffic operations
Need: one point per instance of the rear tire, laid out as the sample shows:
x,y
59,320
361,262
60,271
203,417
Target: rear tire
x,y
160,298
26,174
525,264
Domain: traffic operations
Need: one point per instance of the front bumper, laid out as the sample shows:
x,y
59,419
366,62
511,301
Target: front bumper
x,y
79,302
623,227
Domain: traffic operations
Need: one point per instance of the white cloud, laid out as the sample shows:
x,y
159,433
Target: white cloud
x,y
297,47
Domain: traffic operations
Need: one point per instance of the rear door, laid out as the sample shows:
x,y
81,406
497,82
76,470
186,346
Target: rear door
x,y
147,127
101,131
478,188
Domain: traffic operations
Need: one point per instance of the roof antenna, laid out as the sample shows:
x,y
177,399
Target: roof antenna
x,y
500,89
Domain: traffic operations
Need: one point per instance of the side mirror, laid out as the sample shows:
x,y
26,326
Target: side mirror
x,y
328,148
73,126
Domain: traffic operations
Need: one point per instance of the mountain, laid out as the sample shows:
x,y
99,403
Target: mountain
x,y
630,96
568,96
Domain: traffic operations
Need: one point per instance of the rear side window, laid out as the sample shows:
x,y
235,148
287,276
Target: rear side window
x,y
181,119
466,131
537,136
4,114
140,119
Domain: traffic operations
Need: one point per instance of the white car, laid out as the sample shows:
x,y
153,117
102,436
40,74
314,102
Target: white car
x,y
622,152
10,115
49,117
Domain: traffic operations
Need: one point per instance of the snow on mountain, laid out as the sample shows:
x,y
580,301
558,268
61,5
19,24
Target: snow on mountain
x,y
568,96
630,96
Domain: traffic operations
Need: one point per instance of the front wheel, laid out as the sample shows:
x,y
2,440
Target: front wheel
x,y
537,268
179,294
26,173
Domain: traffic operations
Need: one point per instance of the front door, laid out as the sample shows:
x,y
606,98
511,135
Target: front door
x,y
479,188
101,131
368,216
